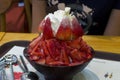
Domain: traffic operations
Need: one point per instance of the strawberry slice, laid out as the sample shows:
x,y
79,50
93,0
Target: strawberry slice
x,y
41,61
45,27
49,59
76,28
42,48
64,57
76,55
41,26
35,41
58,63
75,43
69,30
34,57
53,49
64,31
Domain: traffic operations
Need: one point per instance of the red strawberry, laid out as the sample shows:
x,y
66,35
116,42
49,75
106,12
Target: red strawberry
x,y
52,48
45,27
75,43
49,59
75,55
76,28
41,61
64,56
34,57
64,32
69,30
41,26
58,63
35,41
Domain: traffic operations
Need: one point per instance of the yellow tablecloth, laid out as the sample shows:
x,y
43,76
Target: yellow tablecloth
x,y
100,43
1,35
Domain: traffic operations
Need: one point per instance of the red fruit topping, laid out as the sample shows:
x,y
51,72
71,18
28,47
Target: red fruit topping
x,y
41,26
45,27
60,45
76,28
69,30
56,52
64,32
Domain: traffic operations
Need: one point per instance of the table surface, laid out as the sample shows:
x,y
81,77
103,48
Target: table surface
x,y
99,43
1,35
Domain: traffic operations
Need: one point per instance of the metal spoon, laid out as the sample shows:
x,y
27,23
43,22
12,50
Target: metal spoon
x,y
10,60
2,70
27,75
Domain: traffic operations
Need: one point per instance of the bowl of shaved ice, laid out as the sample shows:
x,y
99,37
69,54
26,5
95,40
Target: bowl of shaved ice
x,y
59,51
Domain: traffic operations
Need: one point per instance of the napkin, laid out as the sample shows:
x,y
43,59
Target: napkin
x,y
105,69
98,69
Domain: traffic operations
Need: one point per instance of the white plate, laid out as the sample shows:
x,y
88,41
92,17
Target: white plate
x,y
85,75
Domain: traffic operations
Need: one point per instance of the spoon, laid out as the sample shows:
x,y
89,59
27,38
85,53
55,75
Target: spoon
x,y
2,70
10,60
27,75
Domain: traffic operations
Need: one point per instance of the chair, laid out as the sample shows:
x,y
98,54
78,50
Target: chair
x,y
5,5
28,14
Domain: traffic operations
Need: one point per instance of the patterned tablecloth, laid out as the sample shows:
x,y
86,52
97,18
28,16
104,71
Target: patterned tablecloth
x,y
98,69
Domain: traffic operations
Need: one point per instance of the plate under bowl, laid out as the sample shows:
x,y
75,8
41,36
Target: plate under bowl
x,y
57,72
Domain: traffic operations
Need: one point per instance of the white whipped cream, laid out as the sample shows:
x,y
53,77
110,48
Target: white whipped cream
x,y
57,17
